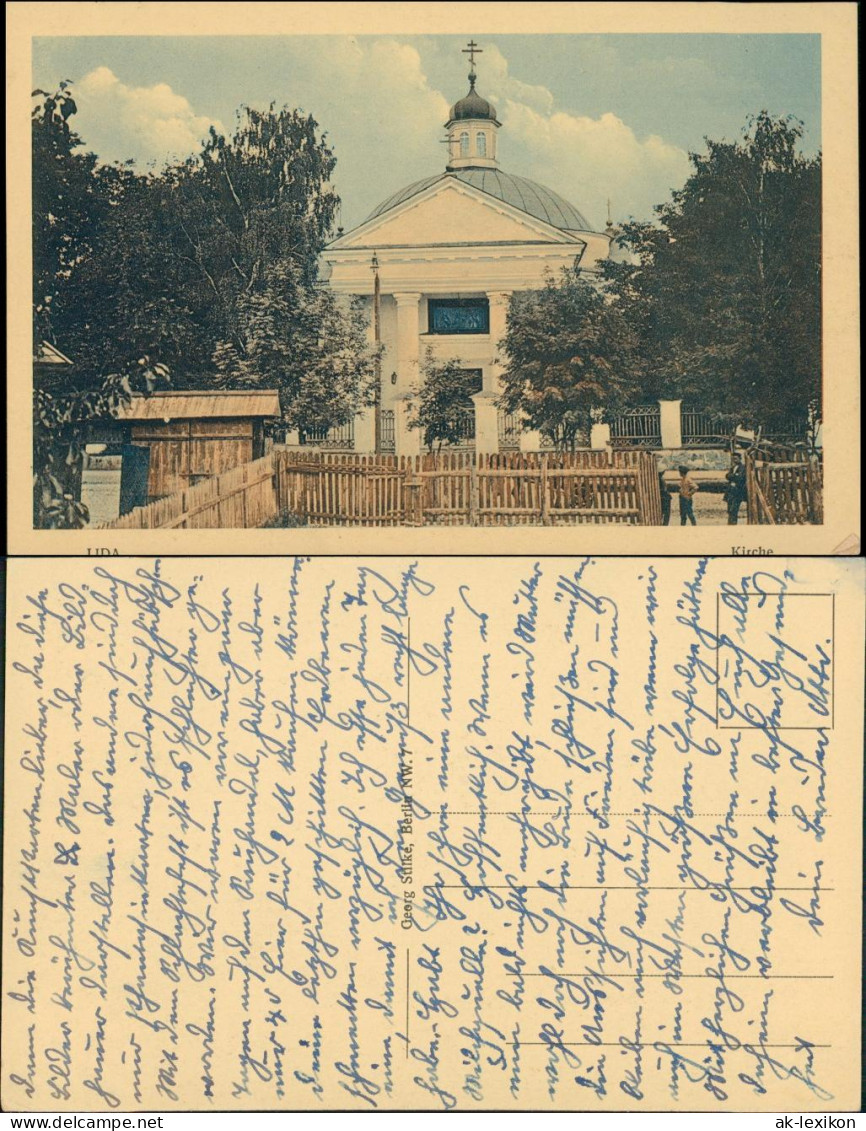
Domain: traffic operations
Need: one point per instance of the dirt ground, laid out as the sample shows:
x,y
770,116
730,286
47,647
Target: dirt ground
x,y
710,509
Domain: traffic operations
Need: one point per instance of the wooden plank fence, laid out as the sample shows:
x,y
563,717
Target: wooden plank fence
x,y
784,491
446,489
243,497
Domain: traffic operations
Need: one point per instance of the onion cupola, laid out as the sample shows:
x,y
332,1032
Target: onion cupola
x,y
472,140
472,127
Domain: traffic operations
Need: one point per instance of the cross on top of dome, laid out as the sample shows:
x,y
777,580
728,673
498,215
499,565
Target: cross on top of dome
x,y
472,49
473,106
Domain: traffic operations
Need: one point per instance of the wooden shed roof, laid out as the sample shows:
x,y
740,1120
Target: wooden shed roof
x,y
208,404
46,354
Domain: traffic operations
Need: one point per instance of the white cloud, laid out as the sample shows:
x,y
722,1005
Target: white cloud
x,y
385,120
499,84
151,124
382,115
397,118
591,160
388,112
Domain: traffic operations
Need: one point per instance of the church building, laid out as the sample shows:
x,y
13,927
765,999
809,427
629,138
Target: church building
x,y
438,261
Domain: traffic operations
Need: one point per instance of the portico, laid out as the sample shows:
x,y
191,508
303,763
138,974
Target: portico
x,y
448,253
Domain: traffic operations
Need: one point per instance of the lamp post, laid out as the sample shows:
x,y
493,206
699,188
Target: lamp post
x,y
377,337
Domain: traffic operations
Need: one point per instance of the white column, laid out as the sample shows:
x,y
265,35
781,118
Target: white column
x,y
407,441
670,422
486,408
498,301
407,341
365,438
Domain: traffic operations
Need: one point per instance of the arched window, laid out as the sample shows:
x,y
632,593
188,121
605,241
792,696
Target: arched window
x,y
481,144
464,144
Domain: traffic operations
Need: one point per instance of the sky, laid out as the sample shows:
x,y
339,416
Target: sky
x,y
597,118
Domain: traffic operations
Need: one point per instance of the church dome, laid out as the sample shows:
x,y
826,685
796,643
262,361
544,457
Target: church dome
x,y
472,106
534,199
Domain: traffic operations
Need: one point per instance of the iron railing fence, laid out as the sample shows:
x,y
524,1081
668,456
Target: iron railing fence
x,y
637,428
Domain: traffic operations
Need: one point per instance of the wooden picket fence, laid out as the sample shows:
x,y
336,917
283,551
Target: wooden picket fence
x,y
470,489
784,490
447,489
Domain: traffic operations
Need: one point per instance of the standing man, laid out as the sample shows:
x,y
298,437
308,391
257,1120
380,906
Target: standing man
x,y
665,498
688,489
735,492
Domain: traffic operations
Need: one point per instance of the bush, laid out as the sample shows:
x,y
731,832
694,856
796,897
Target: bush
x,y
283,520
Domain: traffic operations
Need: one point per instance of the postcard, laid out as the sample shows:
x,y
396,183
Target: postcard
x,y
443,834
585,279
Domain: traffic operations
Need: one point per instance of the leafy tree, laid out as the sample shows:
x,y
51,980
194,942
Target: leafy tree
x,y
726,295
180,266
569,351
301,340
180,252
240,210
444,399
125,296
67,200
71,198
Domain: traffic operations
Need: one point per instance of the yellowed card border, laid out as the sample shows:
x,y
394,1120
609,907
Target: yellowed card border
x,y
844,783
835,22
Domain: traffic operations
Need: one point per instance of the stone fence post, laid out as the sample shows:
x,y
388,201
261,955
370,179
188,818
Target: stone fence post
x,y
670,423
599,437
